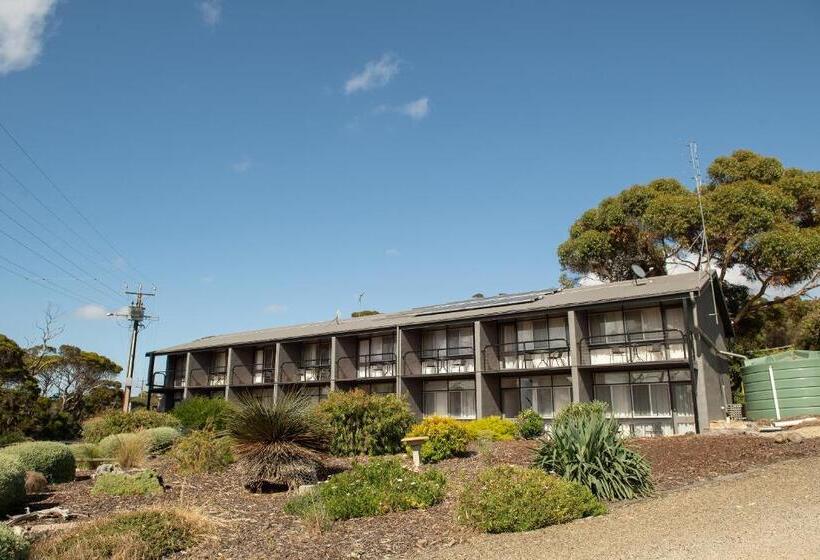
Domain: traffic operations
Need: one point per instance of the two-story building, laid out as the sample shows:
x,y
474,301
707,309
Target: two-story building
x,y
649,347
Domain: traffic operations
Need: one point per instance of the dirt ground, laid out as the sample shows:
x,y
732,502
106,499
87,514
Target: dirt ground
x,y
250,526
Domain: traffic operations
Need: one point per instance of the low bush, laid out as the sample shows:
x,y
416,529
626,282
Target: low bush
x,y
202,451
12,484
84,453
585,446
494,428
160,440
36,483
150,534
117,422
364,423
12,545
197,413
142,483
509,499
51,458
374,488
8,438
448,438
530,424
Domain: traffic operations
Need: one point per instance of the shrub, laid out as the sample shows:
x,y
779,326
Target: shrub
x,y
12,437
131,451
51,458
492,427
117,422
530,424
585,446
122,484
280,442
365,424
12,545
12,484
35,483
374,488
197,413
508,499
150,534
202,451
159,440
84,453
448,437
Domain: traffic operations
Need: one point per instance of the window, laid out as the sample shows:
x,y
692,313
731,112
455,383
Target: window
x,y
315,361
316,394
263,365
606,327
673,319
644,324
454,398
388,388
447,351
377,356
545,394
534,344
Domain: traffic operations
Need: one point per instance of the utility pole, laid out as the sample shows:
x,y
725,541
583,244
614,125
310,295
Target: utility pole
x,y
136,317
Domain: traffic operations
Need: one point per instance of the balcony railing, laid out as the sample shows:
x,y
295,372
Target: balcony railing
x,y
212,377
440,361
664,345
168,380
526,355
250,375
366,366
305,371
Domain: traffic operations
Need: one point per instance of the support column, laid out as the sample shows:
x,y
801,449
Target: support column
x,y
277,366
188,358
399,361
228,373
690,312
575,355
479,367
151,380
333,352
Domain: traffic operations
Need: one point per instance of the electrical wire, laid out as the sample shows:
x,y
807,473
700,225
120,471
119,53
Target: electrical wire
x,y
44,282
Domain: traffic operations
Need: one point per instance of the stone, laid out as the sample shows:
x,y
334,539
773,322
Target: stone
x,y
795,437
106,468
780,437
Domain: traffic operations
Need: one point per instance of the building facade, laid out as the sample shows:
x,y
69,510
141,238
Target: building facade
x,y
650,348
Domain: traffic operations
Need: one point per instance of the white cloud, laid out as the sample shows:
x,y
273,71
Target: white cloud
x,y
22,24
211,11
391,252
376,73
276,308
243,165
91,312
417,109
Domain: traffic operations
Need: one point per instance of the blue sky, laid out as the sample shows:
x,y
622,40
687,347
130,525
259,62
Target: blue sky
x,y
263,163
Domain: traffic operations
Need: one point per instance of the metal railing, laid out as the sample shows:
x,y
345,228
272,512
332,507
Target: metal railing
x,y
662,345
211,377
305,371
530,354
250,375
167,380
439,361
366,366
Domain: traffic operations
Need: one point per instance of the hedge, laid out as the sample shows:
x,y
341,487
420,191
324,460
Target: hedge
x,y
12,484
53,459
448,438
112,423
12,545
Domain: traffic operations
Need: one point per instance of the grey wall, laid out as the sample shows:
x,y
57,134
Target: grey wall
x,y
713,366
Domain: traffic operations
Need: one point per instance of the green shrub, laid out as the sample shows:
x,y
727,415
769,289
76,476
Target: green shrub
x,y
530,424
12,437
12,545
12,484
448,438
585,446
374,488
280,442
117,422
159,440
84,453
508,499
52,459
150,534
202,451
495,428
109,445
123,484
365,424
196,413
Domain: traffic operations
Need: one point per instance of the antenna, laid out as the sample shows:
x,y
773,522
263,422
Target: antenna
x,y
704,239
361,297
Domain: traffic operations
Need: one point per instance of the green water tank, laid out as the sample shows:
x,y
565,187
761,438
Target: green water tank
x,y
796,382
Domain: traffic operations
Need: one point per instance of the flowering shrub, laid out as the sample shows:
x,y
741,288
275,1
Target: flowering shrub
x,y
494,428
448,438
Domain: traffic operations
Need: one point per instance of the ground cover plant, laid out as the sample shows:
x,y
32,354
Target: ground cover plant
x,y
53,459
494,428
364,423
12,484
117,422
84,454
150,534
530,424
197,413
585,446
12,545
509,499
202,451
282,442
373,488
142,483
448,438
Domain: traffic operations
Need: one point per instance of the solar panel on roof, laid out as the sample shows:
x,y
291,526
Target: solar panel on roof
x,y
482,303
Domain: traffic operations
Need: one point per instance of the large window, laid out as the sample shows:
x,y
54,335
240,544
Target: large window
x,y
447,350
263,365
316,394
545,394
377,356
219,368
315,361
635,335
533,344
455,397
382,388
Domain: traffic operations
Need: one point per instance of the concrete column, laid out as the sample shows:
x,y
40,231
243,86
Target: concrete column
x,y
277,365
690,312
151,380
333,352
399,361
575,336
188,359
228,373
480,390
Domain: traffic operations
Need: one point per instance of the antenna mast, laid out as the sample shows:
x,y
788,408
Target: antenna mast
x,y
704,239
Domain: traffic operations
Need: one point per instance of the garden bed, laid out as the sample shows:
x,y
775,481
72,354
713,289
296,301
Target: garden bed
x,y
255,526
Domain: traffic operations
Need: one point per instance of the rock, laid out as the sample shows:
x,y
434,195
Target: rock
x,y
795,437
36,483
106,469
780,437
305,489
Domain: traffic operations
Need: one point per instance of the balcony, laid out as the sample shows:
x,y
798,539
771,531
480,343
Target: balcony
x,y
645,347
212,377
441,361
252,375
366,366
526,355
165,380
306,371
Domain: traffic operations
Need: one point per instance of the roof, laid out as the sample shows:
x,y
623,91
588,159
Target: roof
x,y
508,304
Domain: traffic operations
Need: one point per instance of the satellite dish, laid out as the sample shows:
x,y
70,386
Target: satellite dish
x,y
638,271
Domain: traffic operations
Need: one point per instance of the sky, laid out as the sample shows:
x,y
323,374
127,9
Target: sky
x,y
265,163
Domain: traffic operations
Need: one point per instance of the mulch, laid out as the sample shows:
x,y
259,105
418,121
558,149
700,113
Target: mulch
x,y
250,526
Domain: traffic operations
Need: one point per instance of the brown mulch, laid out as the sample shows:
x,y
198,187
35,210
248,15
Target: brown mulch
x,y
250,526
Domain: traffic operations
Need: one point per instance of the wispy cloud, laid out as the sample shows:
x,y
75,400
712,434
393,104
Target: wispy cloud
x,y
391,252
275,308
211,11
376,73
417,109
22,24
209,279
242,165
91,312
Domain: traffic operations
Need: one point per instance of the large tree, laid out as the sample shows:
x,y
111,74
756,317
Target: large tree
x,y
762,221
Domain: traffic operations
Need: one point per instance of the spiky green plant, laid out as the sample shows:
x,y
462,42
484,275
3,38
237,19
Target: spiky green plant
x,y
283,442
585,446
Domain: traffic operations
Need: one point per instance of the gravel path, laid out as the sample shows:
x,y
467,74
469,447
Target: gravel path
x,y
769,513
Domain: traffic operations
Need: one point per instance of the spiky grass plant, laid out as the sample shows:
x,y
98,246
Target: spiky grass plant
x,y
585,446
279,443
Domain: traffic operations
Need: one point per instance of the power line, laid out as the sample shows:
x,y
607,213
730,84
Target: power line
x,y
70,202
43,282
